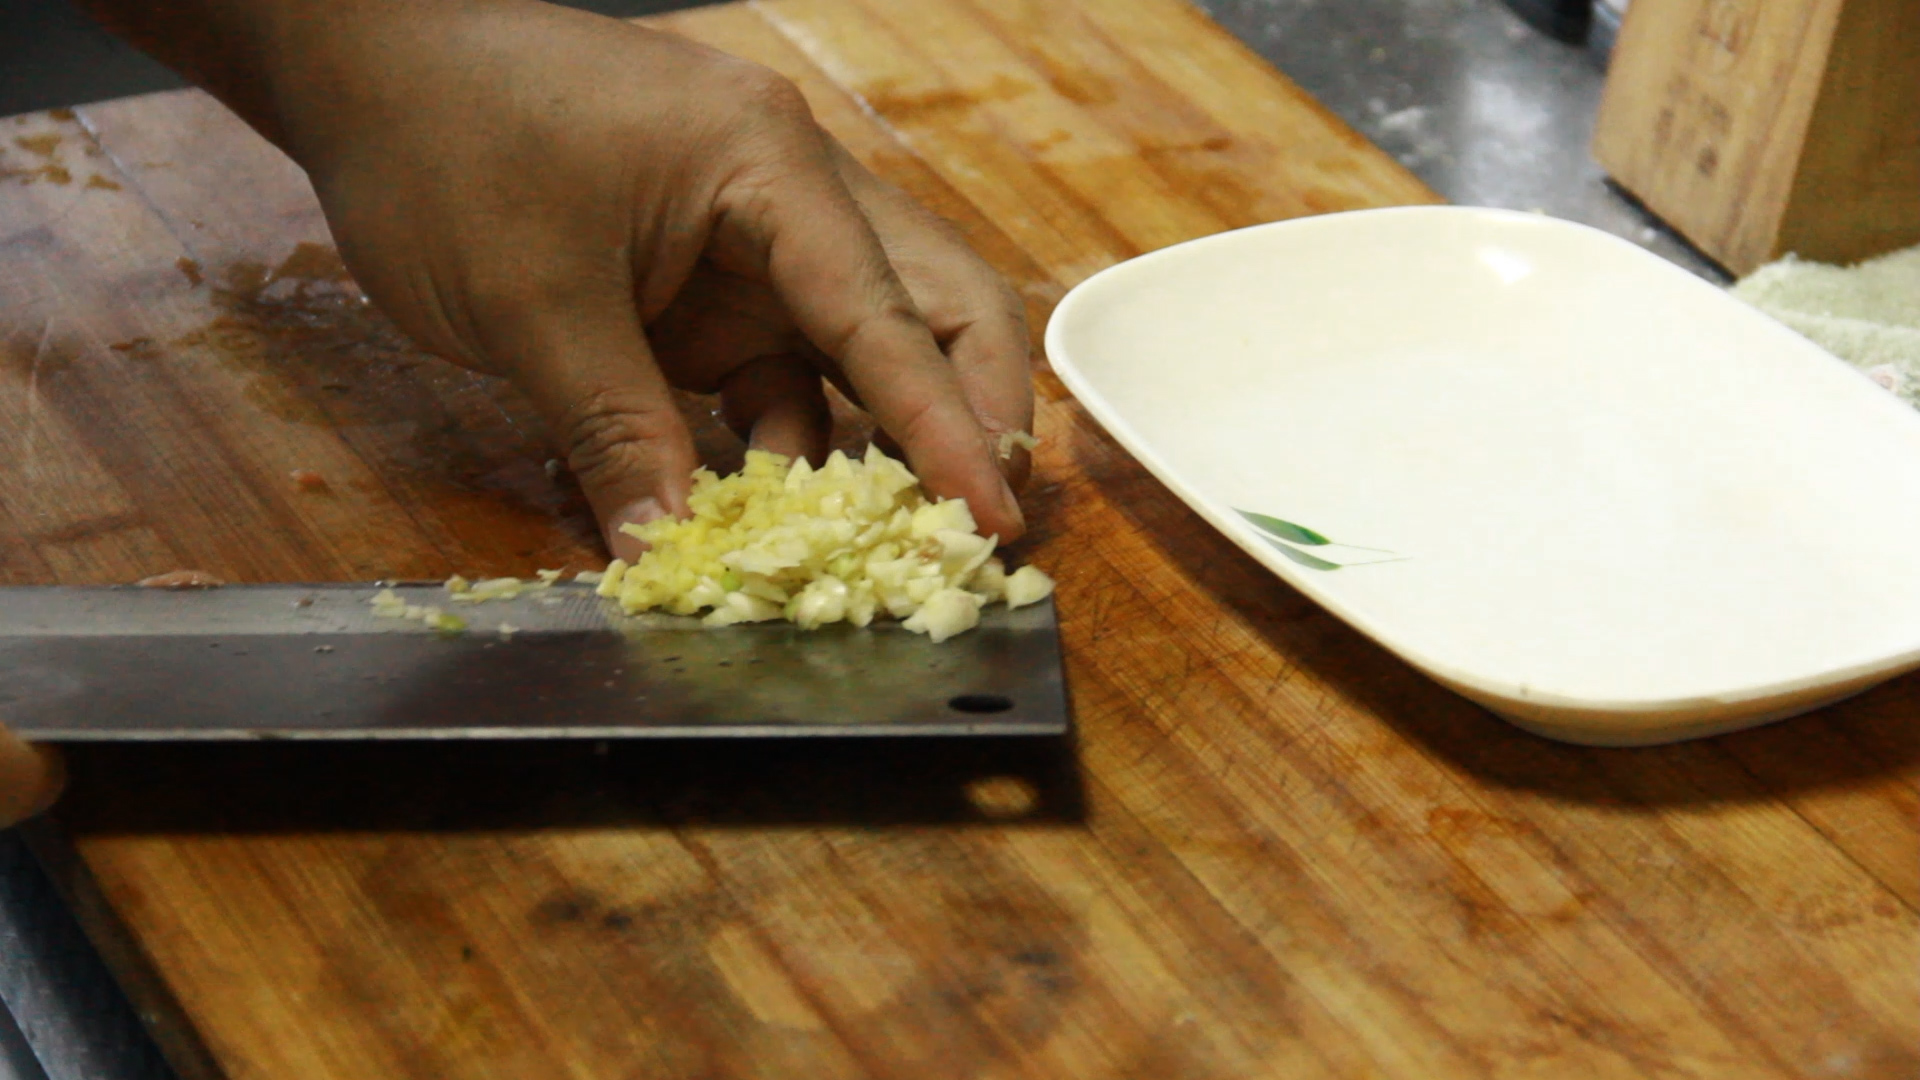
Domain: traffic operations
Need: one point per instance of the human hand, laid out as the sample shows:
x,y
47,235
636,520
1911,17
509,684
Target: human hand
x,y
598,212
30,778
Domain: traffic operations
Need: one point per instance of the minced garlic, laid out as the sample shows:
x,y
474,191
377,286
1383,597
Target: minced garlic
x,y
1011,439
847,542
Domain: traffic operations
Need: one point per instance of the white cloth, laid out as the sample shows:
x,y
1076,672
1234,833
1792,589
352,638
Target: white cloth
x,y
1867,315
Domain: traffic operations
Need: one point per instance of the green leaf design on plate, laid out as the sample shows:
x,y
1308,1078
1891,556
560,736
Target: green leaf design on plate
x,y
1283,535
1286,530
1311,562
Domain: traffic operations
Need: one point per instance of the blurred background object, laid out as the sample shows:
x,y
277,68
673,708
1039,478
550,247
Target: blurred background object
x,y
1605,29
1467,95
1565,20
1761,130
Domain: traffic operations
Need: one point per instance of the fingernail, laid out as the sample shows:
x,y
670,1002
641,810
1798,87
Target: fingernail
x,y
621,544
1011,503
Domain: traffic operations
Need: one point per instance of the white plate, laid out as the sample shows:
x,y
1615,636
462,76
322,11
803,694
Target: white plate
x,y
1604,499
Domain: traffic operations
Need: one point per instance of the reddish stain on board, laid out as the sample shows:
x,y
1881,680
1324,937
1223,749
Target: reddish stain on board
x,y
309,481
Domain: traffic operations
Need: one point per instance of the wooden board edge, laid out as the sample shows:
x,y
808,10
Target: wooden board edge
x,y
161,1014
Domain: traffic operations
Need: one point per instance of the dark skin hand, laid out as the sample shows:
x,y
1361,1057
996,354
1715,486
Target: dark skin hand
x,y
600,213
29,779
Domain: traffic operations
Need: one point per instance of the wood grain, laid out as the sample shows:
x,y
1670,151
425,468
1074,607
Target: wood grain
x,y
1273,850
1764,129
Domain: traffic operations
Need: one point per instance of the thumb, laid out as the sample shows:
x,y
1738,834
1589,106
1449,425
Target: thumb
x,y
30,778
595,380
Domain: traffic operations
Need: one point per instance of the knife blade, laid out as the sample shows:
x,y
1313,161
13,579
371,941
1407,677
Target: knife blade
x,y
314,662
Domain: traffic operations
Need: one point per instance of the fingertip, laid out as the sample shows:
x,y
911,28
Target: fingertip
x,y
634,459
1016,468
779,404
30,778
792,440
53,780
622,544
996,511
1012,521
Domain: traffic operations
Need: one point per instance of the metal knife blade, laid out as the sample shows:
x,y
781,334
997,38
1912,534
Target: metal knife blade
x,y
313,662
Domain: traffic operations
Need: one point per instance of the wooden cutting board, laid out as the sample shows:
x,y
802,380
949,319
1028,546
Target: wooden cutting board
x,y
1274,851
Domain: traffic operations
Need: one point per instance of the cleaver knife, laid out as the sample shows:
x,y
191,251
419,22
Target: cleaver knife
x,y
314,662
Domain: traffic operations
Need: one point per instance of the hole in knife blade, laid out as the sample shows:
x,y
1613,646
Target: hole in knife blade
x,y
980,703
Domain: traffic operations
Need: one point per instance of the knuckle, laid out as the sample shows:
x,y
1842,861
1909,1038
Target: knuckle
x,y
913,427
768,92
887,318
616,434
992,305
1013,306
771,130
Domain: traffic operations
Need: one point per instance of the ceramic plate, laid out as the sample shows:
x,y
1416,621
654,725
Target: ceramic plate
x,y
1558,474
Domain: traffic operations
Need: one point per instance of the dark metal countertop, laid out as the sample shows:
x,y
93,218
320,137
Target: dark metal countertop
x,y
1486,110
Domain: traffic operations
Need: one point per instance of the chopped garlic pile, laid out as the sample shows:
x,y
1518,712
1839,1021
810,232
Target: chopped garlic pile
x,y
849,541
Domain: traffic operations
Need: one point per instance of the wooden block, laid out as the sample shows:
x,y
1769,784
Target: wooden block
x,y
1759,130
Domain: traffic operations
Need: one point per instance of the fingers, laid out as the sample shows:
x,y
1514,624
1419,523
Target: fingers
x,y
30,778
730,334
776,403
974,314
993,368
716,322
589,370
801,224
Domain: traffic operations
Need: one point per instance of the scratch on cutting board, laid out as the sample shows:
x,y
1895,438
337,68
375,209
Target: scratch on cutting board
x,y
31,458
